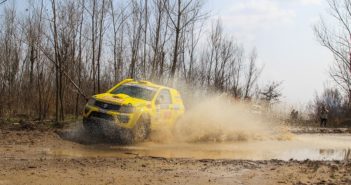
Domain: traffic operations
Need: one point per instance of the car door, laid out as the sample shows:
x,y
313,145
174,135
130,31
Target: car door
x,y
163,107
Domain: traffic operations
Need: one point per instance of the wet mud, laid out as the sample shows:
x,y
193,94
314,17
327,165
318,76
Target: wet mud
x,y
283,144
297,147
66,157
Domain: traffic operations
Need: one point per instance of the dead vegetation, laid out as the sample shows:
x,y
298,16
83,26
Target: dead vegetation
x,y
57,53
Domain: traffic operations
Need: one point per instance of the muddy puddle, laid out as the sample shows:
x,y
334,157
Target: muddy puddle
x,y
300,147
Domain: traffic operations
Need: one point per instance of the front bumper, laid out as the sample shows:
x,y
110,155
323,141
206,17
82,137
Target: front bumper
x,y
111,118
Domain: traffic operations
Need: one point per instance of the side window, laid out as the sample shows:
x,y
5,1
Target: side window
x,y
164,97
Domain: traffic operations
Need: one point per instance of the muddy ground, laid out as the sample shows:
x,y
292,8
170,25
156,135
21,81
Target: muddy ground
x,y
28,157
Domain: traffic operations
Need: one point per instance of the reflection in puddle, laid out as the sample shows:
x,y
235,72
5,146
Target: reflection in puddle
x,y
347,155
302,147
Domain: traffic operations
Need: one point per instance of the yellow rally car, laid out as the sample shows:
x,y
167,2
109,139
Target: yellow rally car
x,y
131,109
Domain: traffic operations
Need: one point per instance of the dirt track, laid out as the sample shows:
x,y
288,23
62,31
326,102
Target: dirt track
x,y
27,158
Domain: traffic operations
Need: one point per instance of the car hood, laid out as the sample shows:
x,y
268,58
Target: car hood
x,y
119,99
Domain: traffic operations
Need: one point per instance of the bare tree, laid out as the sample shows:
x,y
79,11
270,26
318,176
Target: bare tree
x,y
145,28
118,24
236,70
271,93
158,38
10,53
181,13
101,33
338,40
33,66
135,32
59,112
65,28
192,40
80,55
223,63
252,74
80,47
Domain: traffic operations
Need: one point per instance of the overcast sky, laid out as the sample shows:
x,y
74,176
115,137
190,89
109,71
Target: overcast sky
x,y
281,30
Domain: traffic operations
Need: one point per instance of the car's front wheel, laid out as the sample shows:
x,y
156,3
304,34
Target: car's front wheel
x,y
91,127
141,130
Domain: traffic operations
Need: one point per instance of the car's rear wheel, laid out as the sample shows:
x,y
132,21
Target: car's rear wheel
x,y
141,130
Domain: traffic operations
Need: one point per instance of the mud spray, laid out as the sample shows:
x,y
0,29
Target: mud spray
x,y
214,127
220,118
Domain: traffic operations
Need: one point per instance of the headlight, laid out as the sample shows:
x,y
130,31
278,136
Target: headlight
x,y
91,101
126,109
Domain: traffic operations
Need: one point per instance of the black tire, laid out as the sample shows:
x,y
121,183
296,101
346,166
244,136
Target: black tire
x,y
124,137
141,130
87,126
91,128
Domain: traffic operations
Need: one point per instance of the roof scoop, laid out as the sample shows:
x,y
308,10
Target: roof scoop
x,y
121,96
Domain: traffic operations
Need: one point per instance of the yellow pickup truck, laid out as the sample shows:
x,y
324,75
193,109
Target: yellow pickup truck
x,y
131,109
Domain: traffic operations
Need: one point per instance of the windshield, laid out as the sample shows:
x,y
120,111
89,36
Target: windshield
x,y
135,91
